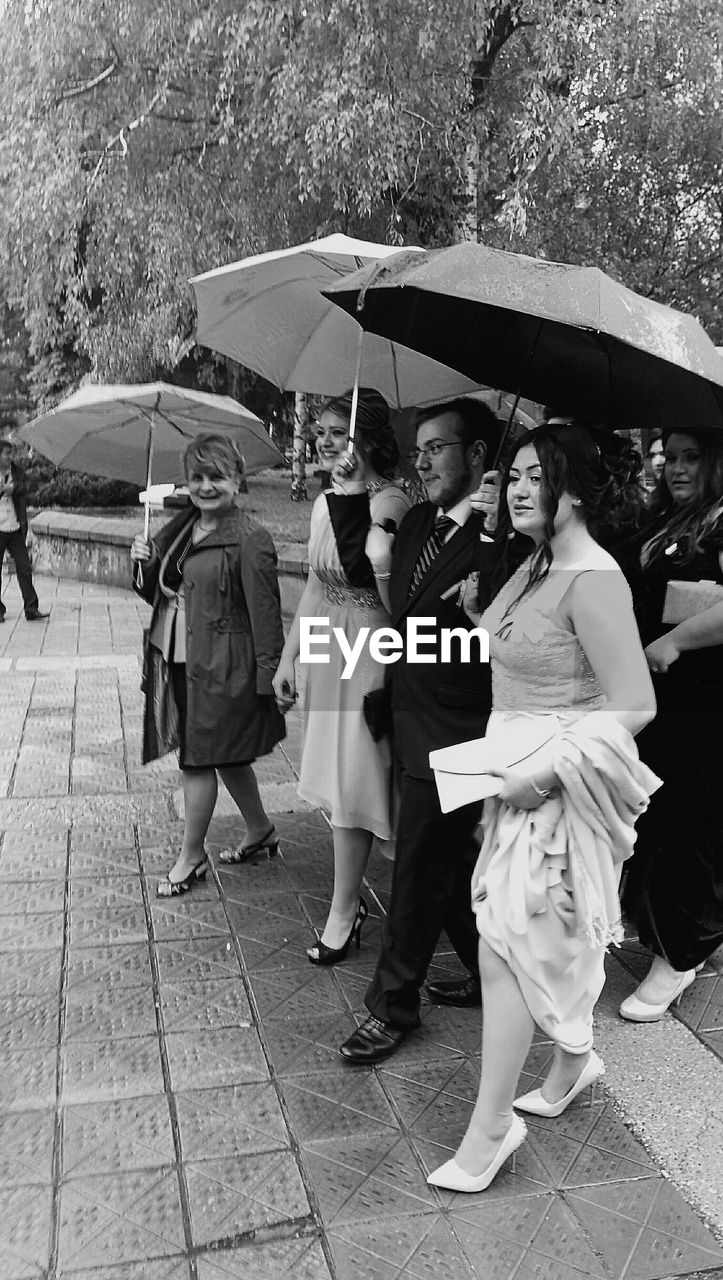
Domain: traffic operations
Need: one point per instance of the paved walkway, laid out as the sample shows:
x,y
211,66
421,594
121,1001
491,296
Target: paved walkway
x,y
172,1103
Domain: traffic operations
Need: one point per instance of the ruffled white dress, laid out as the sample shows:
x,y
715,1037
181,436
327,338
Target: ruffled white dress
x,y
523,888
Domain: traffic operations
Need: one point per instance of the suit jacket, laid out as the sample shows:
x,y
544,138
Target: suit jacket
x,y
435,705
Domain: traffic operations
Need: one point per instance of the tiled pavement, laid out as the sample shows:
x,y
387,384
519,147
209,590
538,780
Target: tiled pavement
x,y
172,1103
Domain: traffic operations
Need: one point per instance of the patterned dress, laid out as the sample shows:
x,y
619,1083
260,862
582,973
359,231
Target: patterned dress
x,y
342,769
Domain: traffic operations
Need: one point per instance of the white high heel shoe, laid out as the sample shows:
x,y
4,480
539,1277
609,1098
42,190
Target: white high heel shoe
x,y
637,1009
450,1175
536,1105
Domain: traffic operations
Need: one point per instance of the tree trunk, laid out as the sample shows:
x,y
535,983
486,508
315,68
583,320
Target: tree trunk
x,y
298,463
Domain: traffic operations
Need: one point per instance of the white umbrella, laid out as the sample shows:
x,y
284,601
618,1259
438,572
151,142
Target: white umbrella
x,y
267,313
138,432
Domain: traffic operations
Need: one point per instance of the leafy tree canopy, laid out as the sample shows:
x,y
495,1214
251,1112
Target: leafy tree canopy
x,y
141,143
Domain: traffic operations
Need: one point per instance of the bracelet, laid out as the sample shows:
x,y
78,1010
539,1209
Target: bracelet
x,y
382,576
540,791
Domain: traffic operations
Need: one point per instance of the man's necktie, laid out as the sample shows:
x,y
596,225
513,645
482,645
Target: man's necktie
x,y
430,550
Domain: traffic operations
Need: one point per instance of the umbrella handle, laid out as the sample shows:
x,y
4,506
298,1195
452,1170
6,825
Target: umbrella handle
x,y
355,391
149,470
518,397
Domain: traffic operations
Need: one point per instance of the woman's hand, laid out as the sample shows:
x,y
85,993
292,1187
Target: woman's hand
x,y
349,473
662,653
141,549
378,549
284,686
517,790
486,500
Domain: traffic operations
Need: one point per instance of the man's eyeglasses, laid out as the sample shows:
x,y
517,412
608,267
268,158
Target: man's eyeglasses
x,y
431,450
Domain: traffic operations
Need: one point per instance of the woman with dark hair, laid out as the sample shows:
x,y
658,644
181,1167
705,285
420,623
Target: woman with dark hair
x,y
343,770
570,688
210,575
674,891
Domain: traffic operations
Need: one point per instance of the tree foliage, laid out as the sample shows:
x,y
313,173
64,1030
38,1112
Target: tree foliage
x,y
142,143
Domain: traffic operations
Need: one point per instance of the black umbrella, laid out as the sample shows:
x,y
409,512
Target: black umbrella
x,y
561,335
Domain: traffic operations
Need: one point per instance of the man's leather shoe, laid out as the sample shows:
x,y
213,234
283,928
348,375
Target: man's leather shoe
x,y
372,1042
35,615
464,993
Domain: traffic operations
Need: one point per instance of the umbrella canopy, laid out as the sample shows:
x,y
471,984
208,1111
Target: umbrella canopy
x,y
268,313
561,335
109,431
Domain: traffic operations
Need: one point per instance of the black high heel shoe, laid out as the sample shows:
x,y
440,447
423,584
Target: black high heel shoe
x,y
323,955
174,888
245,852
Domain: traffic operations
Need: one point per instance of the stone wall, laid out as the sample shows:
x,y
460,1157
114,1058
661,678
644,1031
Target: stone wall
x,y
96,549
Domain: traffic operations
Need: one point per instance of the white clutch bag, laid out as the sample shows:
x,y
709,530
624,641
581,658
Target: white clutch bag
x,y
460,770
684,600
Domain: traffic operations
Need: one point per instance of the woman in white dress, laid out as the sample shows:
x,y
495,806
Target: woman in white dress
x,y
343,770
563,645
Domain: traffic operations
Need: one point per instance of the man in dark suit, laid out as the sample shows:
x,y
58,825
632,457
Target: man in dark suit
x,y
14,530
434,704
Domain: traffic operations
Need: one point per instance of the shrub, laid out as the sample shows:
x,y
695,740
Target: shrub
x,y
48,486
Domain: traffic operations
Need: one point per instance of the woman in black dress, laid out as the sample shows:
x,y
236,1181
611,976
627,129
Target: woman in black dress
x,y
674,890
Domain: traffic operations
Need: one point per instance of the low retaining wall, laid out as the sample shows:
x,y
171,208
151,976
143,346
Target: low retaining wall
x,y
96,549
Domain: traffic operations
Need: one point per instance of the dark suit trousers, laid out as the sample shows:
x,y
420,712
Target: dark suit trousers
x,y
431,891
15,543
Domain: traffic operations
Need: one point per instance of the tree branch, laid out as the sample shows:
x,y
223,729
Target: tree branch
x,y
120,137
88,85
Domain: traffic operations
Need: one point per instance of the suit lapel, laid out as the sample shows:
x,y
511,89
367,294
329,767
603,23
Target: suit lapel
x,y
456,549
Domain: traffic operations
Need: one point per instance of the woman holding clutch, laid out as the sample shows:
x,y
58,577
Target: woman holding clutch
x,y
674,891
565,655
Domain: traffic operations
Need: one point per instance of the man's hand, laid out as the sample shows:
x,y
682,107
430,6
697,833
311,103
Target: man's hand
x,y
486,499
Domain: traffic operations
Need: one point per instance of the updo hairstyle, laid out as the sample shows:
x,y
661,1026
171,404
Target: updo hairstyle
x,y
373,430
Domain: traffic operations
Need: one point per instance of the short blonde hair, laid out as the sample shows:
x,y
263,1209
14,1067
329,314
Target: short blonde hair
x,y
221,453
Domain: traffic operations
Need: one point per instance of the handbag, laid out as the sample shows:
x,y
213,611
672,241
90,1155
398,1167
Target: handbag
x,y
162,726
460,770
377,711
685,600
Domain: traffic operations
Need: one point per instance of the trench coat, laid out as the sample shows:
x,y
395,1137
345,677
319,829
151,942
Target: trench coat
x,y
234,639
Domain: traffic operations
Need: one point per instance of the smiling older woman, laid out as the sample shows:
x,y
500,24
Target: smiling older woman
x,y
211,578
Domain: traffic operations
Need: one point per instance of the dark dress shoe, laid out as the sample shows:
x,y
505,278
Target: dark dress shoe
x,y
464,993
35,615
372,1042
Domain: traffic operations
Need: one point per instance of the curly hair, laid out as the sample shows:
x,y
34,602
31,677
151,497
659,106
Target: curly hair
x,y
598,468
689,525
372,426
214,452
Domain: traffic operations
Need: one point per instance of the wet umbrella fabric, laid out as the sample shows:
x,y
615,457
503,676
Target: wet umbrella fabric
x,y
560,335
268,312
110,430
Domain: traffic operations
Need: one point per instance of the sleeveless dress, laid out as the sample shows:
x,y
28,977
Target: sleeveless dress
x,y
522,895
342,769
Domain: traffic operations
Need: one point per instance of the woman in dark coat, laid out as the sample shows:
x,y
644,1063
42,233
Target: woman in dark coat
x,y
674,889
211,577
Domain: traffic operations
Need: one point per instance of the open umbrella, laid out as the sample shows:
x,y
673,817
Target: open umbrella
x,y
560,335
268,312
138,432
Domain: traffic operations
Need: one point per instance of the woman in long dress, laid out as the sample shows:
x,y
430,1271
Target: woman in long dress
x,y
343,770
567,662
674,890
